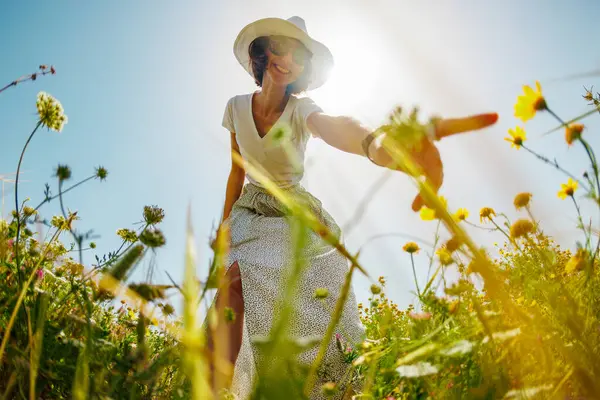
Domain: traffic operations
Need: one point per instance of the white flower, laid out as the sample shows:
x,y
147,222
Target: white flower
x,y
51,112
459,348
416,370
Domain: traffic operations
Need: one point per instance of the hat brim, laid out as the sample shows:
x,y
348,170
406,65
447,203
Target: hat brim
x,y
321,61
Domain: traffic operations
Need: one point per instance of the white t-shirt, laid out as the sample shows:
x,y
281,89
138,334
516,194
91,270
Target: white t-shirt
x,y
280,152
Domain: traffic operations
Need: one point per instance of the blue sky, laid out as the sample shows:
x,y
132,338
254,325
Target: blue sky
x,y
145,84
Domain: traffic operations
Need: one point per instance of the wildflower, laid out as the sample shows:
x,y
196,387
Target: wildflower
x,y
153,215
517,137
101,173
51,112
486,213
530,102
453,307
127,235
168,309
40,273
522,200
429,214
577,262
461,214
588,95
411,247
375,289
29,211
381,280
152,238
63,172
444,255
521,227
58,221
424,316
567,189
328,389
573,132
321,293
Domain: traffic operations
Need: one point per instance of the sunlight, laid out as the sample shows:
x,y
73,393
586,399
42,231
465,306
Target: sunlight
x,y
359,52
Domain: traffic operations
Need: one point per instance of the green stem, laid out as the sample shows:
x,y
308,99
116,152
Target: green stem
x,y
555,165
17,261
580,219
412,261
594,162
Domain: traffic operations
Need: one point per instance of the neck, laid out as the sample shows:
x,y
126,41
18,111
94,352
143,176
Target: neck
x,y
272,98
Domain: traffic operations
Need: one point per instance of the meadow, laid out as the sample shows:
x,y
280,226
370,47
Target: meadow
x,y
522,321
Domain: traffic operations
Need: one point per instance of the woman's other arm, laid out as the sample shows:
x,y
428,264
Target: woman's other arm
x,y
235,182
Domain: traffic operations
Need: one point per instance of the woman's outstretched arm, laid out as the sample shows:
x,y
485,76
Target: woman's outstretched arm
x,y
347,134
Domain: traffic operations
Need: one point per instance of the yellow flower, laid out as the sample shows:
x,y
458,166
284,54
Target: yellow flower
x,y
429,214
567,189
444,255
411,247
530,102
486,213
517,137
522,200
50,111
461,214
521,227
573,132
577,262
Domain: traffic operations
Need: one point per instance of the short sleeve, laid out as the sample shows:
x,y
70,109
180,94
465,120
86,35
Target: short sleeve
x,y
307,106
228,116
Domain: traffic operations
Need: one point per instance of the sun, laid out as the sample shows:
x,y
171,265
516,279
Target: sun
x,y
359,53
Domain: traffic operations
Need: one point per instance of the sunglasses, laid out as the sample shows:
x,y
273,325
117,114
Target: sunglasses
x,y
282,45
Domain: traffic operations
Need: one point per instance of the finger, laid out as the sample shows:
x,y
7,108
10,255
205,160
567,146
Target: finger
x,y
452,126
435,178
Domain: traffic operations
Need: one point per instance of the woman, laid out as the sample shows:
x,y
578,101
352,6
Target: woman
x,y
285,61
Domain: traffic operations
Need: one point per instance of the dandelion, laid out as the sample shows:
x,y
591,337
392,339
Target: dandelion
x,y
461,214
530,102
517,137
486,213
573,133
522,200
567,189
520,228
411,248
577,262
429,214
51,112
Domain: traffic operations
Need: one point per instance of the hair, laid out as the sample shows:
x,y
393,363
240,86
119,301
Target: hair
x,y
259,60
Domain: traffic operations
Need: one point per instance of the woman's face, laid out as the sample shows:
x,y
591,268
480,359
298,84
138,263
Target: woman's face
x,y
286,59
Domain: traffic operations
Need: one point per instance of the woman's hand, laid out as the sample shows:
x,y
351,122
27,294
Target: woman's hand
x,y
428,157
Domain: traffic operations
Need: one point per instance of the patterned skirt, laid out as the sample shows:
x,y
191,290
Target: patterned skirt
x,y
262,244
